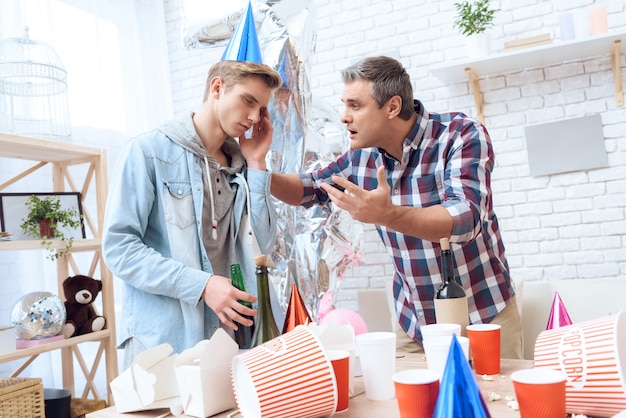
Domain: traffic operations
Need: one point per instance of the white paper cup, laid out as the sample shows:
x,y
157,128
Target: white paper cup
x,y
289,376
440,329
377,354
593,356
437,349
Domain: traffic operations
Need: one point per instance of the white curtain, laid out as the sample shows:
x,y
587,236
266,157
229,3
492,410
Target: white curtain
x,y
115,55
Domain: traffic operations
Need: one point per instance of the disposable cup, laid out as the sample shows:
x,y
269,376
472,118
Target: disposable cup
x,y
416,392
540,392
485,347
439,329
437,349
377,354
288,376
591,354
340,360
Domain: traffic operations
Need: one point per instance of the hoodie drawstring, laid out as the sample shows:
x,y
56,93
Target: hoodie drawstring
x,y
213,220
248,221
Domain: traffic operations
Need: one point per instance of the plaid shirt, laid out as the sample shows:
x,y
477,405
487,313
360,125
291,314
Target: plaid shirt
x,y
447,160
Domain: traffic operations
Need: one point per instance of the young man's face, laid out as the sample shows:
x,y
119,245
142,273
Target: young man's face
x,y
240,105
365,120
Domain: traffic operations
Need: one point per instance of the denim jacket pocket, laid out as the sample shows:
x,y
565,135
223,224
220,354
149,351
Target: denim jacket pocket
x,y
178,204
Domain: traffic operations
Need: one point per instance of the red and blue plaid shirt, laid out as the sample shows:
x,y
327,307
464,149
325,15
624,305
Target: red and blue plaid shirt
x,y
447,160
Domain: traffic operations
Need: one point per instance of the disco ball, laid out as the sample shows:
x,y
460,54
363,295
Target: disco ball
x,y
38,315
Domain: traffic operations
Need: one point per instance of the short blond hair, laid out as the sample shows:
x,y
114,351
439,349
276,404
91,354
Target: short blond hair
x,y
233,72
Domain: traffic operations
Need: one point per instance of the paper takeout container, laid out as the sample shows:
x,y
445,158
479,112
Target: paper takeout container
x,y
288,376
149,383
593,356
203,376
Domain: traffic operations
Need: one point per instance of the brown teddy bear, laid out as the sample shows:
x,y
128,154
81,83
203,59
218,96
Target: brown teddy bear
x,y
80,291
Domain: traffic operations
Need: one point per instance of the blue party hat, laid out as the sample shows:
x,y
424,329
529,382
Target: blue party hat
x,y
459,394
244,44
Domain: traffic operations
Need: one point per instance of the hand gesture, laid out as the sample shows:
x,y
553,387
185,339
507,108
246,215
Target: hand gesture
x,y
255,148
372,206
223,298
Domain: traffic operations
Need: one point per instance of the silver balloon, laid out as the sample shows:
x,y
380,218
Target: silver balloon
x,y
38,315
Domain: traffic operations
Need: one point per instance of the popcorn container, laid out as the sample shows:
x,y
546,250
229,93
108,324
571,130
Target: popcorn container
x,y
593,356
288,376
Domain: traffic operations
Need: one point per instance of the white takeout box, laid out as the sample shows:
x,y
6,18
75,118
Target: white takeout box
x,y
149,383
203,375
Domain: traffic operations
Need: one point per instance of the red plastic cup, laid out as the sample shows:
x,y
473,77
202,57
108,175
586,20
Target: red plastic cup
x,y
485,347
416,392
540,392
340,360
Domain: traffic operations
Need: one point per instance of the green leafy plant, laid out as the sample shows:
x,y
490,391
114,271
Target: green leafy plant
x,y
49,210
474,16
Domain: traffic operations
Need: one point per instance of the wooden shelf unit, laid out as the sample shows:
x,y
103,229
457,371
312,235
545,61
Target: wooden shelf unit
x,y
60,157
534,57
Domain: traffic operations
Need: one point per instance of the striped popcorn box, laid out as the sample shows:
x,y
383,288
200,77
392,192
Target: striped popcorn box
x,y
593,356
289,376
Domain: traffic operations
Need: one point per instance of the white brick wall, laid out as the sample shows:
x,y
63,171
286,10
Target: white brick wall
x,y
565,226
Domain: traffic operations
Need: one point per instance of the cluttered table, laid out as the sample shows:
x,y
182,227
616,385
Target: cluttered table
x,y
360,406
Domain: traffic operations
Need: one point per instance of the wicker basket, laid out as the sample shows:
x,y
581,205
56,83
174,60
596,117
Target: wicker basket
x,y
21,397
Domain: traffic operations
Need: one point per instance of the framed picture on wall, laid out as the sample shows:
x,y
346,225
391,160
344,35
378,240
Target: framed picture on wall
x,y
13,211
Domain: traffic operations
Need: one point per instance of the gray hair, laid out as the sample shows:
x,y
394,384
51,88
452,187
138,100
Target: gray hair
x,y
388,77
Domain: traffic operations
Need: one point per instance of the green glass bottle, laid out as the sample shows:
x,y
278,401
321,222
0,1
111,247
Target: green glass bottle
x,y
265,328
243,335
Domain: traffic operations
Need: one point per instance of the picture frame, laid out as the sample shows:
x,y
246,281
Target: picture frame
x,y
13,210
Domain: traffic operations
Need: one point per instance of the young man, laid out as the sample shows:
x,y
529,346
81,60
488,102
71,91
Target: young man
x,y
188,201
418,176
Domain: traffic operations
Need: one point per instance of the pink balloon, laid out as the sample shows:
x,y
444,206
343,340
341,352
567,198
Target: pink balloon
x,y
343,316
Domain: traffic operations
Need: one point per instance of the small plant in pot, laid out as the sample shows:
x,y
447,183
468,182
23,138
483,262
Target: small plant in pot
x,y
473,19
46,219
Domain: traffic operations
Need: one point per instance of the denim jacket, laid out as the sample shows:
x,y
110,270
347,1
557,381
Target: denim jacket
x,y
152,240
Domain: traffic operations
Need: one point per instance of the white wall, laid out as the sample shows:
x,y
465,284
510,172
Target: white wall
x,y
565,226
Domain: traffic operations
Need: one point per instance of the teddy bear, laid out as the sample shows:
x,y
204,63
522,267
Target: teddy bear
x,y
80,292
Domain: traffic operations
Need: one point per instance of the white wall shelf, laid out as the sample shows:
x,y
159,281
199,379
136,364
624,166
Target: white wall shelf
x,y
534,57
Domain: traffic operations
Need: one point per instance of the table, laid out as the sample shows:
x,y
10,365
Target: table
x,y
360,406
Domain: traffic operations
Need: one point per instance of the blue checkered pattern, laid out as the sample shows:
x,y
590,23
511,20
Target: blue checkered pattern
x,y
447,160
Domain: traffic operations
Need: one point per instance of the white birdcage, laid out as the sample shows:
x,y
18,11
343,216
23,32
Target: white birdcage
x,y
33,90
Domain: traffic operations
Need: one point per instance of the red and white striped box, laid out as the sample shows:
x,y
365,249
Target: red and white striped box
x,y
593,356
289,376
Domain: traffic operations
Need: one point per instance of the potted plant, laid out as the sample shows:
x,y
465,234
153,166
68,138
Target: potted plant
x,y
473,19
46,219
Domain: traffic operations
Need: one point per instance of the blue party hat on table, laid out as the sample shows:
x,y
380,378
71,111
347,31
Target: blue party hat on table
x,y
244,44
459,394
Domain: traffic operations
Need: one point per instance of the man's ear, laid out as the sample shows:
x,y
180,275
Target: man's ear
x,y
215,86
394,106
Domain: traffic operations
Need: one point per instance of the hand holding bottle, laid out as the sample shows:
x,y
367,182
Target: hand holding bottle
x,y
223,298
